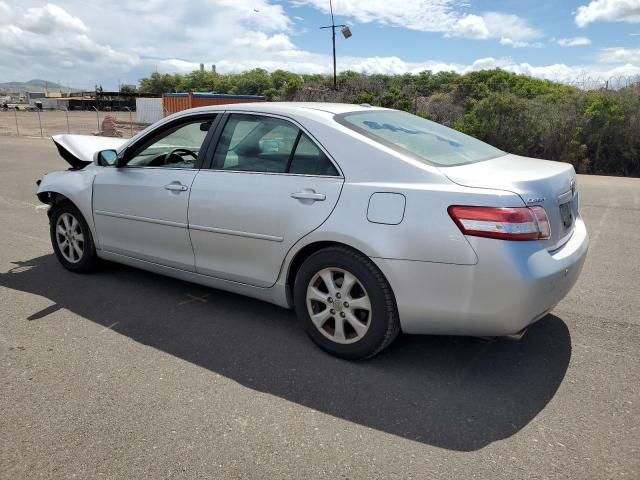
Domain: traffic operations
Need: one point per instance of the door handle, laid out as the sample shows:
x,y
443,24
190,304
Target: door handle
x,y
309,195
176,187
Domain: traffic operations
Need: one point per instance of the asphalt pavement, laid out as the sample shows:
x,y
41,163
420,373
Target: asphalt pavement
x,y
127,374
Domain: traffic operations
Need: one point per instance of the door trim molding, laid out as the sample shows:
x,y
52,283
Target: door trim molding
x,y
140,219
237,233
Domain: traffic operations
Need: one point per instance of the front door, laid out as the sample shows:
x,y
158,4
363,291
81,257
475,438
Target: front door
x,y
270,184
140,209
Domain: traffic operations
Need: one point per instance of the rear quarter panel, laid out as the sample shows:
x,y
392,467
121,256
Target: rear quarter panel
x,y
426,232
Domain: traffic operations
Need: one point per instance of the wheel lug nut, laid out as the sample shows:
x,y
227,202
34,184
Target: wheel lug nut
x,y
342,314
346,304
338,295
330,300
332,311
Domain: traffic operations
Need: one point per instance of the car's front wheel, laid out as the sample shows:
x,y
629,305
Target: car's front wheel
x,y
345,303
71,238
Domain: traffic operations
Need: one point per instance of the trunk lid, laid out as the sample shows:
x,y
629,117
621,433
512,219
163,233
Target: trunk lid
x,y
78,150
537,182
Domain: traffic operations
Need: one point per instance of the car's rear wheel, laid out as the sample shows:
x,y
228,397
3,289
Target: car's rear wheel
x,y
345,303
71,238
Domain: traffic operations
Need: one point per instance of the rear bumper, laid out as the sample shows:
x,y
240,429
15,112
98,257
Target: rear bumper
x,y
512,285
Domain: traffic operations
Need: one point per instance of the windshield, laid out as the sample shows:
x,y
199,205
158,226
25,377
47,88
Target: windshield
x,y
423,139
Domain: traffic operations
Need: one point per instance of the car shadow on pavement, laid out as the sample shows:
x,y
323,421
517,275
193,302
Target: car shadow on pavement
x,y
450,392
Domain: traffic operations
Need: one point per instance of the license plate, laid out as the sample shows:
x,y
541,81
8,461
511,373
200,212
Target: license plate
x,y
566,214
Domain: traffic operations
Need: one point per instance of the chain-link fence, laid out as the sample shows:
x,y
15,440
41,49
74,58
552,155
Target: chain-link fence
x,y
443,102
45,123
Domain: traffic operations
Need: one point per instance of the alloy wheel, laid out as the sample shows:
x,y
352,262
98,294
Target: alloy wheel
x,y
70,238
339,305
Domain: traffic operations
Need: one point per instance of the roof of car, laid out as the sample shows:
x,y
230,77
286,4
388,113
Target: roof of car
x,y
290,107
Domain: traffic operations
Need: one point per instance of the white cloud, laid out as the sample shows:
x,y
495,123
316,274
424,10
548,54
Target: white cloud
x,y
278,42
512,30
50,19
82,43
423,15
574,42
42,39
609,11
125,41
502,25
5,11
519,43
620,55
471,26
446,16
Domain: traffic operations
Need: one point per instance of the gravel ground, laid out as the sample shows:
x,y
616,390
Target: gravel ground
x,y
126,374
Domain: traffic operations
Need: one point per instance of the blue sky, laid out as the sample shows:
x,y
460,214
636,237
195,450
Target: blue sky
x,y
119,41
551,18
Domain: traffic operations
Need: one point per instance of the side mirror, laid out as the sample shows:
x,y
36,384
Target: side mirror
x,y
107,158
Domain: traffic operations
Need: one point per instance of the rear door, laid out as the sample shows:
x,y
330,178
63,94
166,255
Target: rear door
x,y
140,208
268,185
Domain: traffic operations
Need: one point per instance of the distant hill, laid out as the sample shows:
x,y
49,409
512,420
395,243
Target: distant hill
x,y
36,85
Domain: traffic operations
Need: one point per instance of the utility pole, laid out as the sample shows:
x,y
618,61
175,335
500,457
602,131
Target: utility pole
x,y
345,31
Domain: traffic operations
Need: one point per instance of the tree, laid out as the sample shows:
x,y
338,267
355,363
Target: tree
x,y
253,82
160,83
596,131
280,78
500,120
127,88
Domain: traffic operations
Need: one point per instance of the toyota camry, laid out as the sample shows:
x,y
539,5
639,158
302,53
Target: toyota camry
x,y
368,221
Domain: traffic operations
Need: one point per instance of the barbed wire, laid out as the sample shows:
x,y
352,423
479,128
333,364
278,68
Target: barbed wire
x,y
379,85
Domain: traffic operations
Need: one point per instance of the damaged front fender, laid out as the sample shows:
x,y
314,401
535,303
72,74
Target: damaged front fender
x,y
75,186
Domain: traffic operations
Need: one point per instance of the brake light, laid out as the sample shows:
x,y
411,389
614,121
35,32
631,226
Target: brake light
x,y
522,223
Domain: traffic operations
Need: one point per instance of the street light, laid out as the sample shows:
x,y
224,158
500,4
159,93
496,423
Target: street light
x,y
346,33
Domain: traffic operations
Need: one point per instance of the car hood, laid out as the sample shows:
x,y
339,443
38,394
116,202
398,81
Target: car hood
x,y
78,150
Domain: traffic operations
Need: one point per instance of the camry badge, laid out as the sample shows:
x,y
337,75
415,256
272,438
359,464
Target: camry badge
x,y
536,200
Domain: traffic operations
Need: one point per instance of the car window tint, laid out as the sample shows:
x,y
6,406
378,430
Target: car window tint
x,y
423,139
253,143
178,147
310,160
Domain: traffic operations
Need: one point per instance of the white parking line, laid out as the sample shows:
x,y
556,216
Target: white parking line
x,y
193,298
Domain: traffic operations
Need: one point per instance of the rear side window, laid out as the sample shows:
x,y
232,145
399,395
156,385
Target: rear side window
x,y
254,143
422,139
308,159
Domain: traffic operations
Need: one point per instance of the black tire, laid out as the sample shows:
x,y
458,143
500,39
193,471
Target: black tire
x,y
88,260
383,321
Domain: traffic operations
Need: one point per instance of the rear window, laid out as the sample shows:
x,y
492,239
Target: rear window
x,y
423,139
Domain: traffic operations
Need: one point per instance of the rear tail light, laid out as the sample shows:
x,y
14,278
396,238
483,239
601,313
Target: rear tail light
x,y
523,223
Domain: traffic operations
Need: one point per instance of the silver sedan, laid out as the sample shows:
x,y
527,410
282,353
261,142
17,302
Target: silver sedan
x,y
367,221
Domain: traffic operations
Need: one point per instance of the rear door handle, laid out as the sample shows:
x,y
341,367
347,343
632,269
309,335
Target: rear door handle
x,y
176,187
309,195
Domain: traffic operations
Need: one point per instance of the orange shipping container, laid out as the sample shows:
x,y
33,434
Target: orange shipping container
x,y
176,102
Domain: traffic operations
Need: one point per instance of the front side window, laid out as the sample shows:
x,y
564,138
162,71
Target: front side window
x,y
178,147
423,139
253,143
